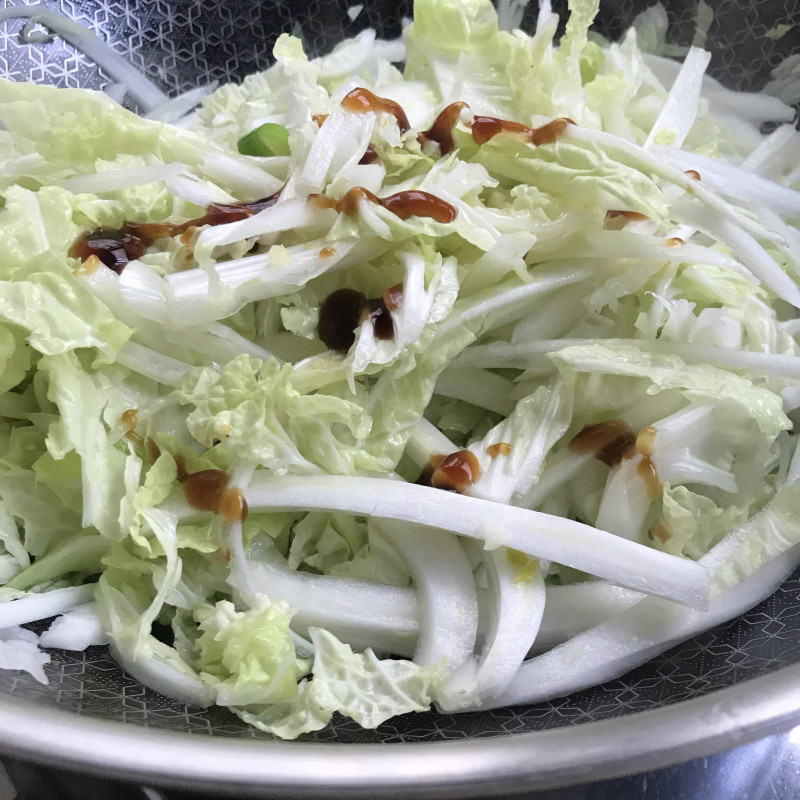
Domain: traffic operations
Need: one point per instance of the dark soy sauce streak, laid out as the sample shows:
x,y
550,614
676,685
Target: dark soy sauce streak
x,y
613,441
362,101
115,248
441,132
411,203
484,129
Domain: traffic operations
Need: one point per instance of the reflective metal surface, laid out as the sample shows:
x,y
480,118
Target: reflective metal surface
x,y
508,766
730,685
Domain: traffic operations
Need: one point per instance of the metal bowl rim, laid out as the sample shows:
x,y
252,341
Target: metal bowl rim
x,y
509,764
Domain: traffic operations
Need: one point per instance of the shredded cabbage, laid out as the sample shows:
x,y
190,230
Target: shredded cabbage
x,y
383,387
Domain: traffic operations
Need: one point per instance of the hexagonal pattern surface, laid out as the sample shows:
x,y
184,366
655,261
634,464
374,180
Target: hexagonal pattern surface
x,y
181,43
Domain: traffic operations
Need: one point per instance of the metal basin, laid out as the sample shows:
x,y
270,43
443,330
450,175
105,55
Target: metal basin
x,y
730,685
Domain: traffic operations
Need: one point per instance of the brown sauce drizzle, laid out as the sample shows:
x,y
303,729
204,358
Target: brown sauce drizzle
x,y
324,202
370,156
441,132
646,440
393,297
616,220
339,316
425,476
153,450
659,531
621,448
613,441
415,203
378,314
320,118
411,203
349,203
646,470
362,101
498,449
115,248
344,310
129,420
610,441
456,472
484,129
204,489
594,438
207,490
233,505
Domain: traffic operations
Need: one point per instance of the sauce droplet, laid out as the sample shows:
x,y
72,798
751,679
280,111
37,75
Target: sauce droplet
x,y
616,220
339,316
327,252
596,437
370,156
646,470
610,441
498,449
114,248
441,132
319,119
484,129
621,448
646,440
456,472
427,471
378,313
129,420
204,489
693,174
659,531
674,241
233,505
344,310
324,202
393,297
362,101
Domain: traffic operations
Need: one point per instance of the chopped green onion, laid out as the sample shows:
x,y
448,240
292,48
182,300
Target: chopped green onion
x,y
269,139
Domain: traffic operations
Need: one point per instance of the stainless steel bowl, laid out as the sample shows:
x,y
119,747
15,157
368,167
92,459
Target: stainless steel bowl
x,y
723,688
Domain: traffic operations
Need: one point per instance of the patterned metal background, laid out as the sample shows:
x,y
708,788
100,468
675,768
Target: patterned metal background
x,y
183,43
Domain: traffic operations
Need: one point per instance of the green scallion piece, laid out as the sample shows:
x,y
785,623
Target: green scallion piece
x,y
268,139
